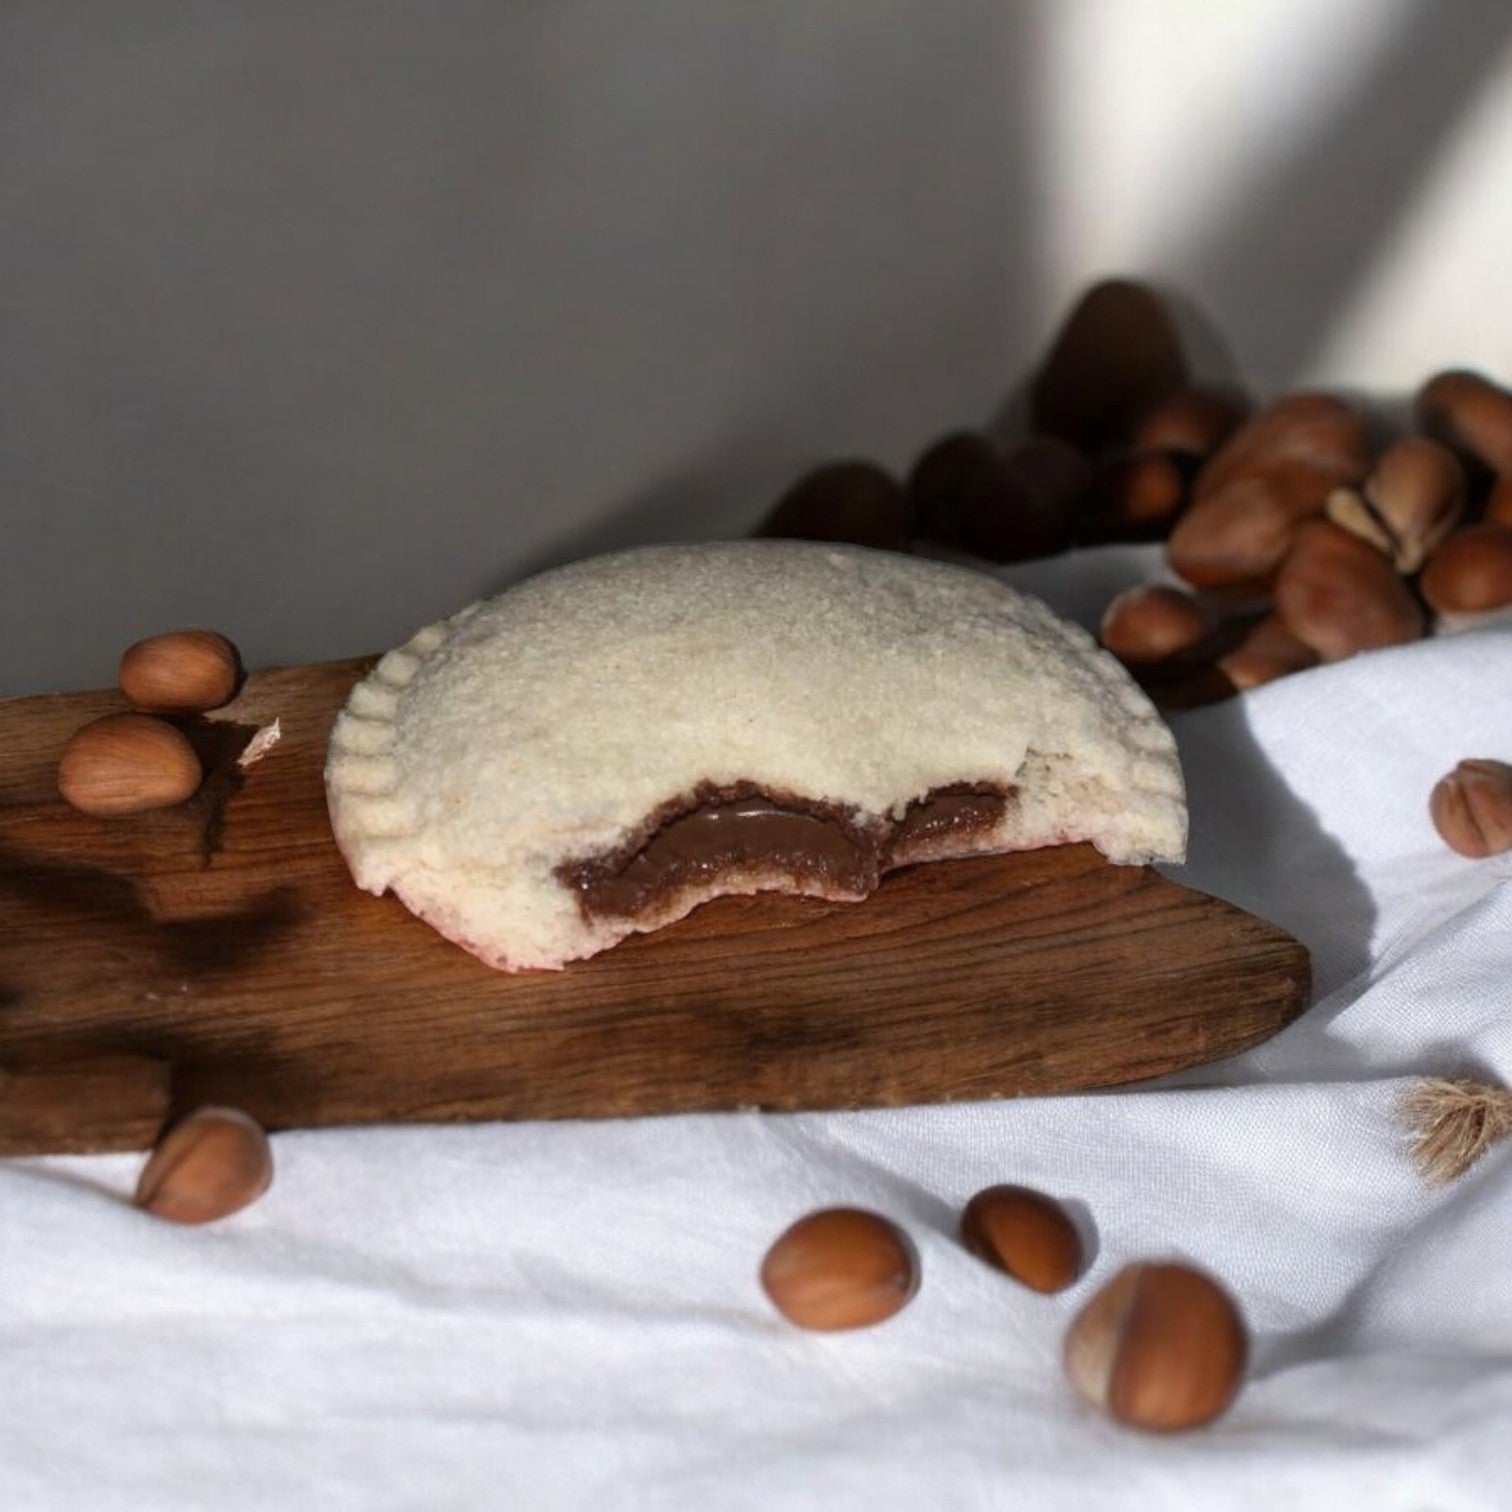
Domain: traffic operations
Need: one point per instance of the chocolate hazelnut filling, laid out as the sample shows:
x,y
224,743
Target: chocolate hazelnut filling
x,y
743,828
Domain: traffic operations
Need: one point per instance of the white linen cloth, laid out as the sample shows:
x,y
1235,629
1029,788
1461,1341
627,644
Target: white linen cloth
x,y
543,1316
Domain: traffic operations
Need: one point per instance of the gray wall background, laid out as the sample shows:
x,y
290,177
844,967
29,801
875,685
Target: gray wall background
x,y
319,319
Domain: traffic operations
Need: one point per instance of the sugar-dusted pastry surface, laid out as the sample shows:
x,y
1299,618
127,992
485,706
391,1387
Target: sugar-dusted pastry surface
x,y
543,726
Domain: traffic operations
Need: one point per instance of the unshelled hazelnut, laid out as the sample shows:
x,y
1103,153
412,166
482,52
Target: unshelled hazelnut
x,y
1025,1234
1471,415
1412,499
1136,497
1024,505
1118,353
1339,595
855,501
180,672
1472,808
209,1165
1191,422
1471,571
840,1268
1268,651
947,471
1499,502
1151,622
1276,471
1160,1347
127,764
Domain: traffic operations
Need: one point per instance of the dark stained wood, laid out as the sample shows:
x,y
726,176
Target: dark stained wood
x,y
90,1103
225,939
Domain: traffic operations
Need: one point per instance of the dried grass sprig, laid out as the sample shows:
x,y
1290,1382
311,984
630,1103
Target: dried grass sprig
x,y
1453,1123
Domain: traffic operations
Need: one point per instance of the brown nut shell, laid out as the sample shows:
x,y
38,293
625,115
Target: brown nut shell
x,y
1025,1234
1237,535
1471,415
840,1268
1137,497
853,501
1321,433
1472,808
128,764
1024,504
1118,353
1151,622
209,1165
180,672
1471,571
1499,502
1161,1347
1339,595
1268,651
1192,422
946,473
1417,492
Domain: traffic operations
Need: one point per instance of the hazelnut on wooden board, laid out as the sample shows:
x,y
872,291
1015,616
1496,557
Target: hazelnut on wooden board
x,y
1161,1347
1025,1234
180,672
1412,499
1471,415
1192,421
840,1268
1471,808
855,501
1135,497
1339,595
1268,651
128,764
1471,571
1151,622
1118,353
207,1166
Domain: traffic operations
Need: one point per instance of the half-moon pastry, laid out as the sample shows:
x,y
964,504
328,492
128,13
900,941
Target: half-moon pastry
x,y
599,749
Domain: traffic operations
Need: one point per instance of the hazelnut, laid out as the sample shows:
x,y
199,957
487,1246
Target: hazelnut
x,y
1160,1347
1268,651
840,1268
1499,502
127,764
1339,595
856,502
1472,808
1412,499
1023,505
182,672
1024,1234
1236,536
1192,422
1150,623
209,1165
1274,472
1136,497
1471,415
1320,431
1118,353
940,480
1471,571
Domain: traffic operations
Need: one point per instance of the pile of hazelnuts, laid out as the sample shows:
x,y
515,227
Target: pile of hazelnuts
x,y
1161,1346
1297,532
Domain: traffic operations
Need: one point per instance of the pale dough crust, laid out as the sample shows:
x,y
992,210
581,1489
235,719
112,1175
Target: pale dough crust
x,y
545,724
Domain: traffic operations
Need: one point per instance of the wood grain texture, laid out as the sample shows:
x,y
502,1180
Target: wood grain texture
x,y
225,939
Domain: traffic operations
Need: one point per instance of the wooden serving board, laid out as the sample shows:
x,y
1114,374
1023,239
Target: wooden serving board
x,y
218,952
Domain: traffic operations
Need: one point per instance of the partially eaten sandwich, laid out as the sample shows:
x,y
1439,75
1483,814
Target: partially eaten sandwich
x,y
600,749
